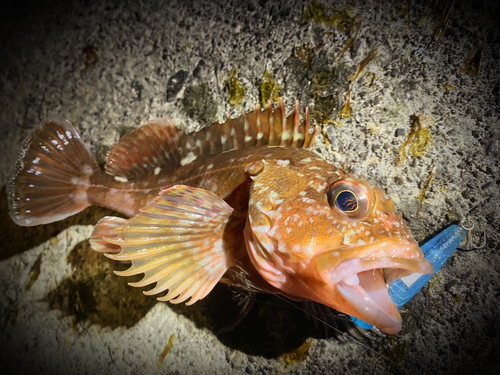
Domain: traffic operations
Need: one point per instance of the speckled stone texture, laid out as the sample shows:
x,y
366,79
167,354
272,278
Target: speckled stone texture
x,y
110,66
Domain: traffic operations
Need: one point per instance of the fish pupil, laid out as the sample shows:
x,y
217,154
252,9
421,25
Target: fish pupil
x,y
347,201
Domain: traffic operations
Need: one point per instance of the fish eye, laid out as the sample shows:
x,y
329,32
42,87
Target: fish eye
x,y
350,198
346,201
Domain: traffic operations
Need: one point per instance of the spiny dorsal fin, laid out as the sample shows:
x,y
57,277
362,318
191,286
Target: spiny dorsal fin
x,y
156,144
160,146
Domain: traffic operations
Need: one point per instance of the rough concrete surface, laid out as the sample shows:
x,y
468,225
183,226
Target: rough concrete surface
x,y
110,66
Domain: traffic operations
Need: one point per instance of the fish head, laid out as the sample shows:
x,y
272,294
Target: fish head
x,y
317,233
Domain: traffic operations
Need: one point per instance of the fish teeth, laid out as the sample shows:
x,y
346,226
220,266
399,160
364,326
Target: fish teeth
x,y
351,280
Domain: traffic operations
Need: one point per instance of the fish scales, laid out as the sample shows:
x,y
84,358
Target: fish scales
x,y
246,203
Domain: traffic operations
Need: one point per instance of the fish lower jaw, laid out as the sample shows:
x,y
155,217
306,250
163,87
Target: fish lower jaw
x,y
364,285
375,308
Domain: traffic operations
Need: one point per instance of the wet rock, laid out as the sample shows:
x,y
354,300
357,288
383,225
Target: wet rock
x,y
175,84
201,70
199,105
400,132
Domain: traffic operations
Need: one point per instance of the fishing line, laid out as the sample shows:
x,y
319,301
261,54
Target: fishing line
x,y
337,330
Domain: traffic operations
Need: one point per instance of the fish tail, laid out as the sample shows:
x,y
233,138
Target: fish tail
x,y
52,175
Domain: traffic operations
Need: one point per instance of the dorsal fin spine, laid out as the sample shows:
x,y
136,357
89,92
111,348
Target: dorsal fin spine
x,y
309,134
285,133
272,138
298,137
260,132
160,146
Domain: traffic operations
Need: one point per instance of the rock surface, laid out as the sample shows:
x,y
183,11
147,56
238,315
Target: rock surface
x,y
111,66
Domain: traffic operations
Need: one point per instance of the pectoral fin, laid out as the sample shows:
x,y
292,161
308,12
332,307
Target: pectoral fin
x,y
178,243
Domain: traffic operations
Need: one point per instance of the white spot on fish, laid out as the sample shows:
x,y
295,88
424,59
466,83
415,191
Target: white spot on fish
x,y
282,163
87,169
273,194
260,228
188,159
157,170
346,239
120,179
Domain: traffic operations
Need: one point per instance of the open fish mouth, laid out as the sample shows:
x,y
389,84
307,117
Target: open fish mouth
x,y
364,283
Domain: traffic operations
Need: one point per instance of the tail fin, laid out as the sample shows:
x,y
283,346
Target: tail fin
x,y
51,176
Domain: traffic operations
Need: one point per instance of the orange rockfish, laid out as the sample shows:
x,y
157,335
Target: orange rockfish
x,y
244,203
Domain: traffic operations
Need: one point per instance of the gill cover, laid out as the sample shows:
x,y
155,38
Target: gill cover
x,y
270,188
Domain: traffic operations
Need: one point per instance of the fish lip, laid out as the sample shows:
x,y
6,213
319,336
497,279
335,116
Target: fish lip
x,y
354,266
380,310
390,255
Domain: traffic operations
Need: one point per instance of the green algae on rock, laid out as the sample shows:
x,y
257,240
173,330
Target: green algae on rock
x,y
419,137
235,90
269,89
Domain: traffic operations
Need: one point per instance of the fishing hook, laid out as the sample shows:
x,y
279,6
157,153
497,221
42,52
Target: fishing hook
x,y
468,225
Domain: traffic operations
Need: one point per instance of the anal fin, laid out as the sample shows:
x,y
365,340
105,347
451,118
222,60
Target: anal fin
x,y
105,228
177,241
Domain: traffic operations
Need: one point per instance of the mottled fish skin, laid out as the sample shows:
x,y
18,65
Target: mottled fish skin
x,y
246,203
305,246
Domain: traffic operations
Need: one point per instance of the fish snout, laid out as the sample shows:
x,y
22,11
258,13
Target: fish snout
x,y
359,285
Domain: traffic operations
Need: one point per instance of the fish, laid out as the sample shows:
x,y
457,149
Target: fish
x,y
246,203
